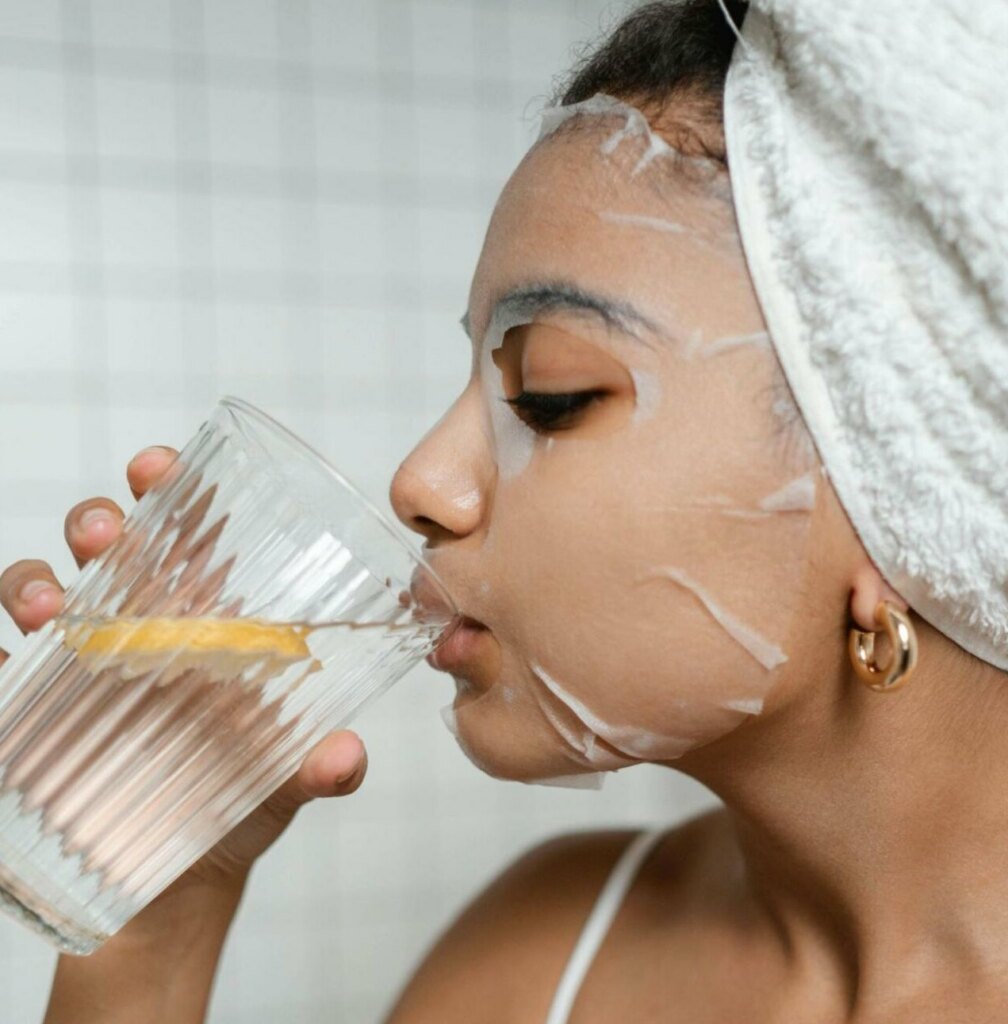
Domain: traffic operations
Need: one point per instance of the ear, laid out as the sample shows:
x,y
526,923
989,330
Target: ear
x,y
867,589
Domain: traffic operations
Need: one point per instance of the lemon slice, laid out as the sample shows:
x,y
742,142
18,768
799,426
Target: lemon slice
x,y
218,648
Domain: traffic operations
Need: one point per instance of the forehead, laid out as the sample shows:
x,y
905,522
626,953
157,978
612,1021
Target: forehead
x,y
586,207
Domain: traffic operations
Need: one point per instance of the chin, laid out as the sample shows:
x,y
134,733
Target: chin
x,y
503,754
503,734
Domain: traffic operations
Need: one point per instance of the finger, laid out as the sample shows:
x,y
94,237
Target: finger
x,y
147,467
30,593
3,656
91,526
336,766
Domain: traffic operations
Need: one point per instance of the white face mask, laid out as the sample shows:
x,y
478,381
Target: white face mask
x,y
640,568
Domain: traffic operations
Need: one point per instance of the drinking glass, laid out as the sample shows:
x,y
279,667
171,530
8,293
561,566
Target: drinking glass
x,y
254,602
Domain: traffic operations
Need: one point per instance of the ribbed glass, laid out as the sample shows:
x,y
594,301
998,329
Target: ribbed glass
x,y
254,602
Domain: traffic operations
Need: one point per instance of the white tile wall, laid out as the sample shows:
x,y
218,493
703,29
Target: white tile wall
x,y
283,199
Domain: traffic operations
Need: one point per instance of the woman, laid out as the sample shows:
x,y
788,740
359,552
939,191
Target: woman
x,y
649,542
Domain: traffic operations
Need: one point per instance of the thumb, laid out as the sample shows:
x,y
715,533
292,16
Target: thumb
x,y
335,767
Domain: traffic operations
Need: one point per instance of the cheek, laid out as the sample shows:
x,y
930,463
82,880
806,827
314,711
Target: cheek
x,y
651,576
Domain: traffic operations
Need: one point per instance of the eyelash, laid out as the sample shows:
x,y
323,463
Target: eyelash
x,y
545,412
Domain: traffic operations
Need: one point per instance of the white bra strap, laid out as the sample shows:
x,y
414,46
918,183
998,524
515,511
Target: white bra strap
x,y
599,920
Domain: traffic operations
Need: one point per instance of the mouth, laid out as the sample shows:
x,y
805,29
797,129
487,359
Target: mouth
x,y
466,651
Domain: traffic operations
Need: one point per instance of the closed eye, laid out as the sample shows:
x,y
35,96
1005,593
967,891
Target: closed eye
x,y
543,411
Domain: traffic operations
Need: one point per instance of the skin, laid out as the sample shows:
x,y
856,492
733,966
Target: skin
x,y
856,871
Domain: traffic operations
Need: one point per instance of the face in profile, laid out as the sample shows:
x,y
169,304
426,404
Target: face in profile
x,y
622,495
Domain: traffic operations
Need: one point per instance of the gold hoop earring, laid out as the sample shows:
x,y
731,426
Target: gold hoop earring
x,y
902,638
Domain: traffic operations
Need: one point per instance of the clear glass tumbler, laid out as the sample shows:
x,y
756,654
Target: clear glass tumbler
x,y
254,602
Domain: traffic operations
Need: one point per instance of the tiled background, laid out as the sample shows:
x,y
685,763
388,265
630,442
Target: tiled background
x,y
284,200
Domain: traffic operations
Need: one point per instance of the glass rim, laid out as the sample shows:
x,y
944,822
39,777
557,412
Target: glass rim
x,y
245,408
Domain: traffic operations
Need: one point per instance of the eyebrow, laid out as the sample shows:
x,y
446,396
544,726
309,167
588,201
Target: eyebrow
x,y
547,296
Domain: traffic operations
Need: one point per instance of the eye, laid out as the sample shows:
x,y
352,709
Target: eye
x,y
547,411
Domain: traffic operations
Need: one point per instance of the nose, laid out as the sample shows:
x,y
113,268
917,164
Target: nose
x,y
441,488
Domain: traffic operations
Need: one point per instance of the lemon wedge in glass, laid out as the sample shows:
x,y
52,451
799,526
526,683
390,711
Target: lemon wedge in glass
x,y
218,648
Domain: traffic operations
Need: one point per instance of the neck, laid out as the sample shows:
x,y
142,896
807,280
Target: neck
x,y
874,826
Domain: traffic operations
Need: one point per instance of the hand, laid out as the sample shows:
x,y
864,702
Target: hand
x,y
32,595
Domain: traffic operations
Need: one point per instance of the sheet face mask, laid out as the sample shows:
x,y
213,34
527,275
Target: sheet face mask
x,y
641,574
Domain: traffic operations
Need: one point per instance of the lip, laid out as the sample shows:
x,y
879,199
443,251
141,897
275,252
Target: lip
x,y
465,647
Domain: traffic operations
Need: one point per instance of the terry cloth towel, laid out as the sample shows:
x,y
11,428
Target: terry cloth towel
x,y
867,144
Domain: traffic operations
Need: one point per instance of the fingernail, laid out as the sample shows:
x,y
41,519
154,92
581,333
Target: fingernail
x,y
95,515
353,769
32,589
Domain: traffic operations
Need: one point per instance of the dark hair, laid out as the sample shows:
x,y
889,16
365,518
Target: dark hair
x,y
670,60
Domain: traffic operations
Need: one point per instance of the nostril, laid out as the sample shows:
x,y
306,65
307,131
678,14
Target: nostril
x,y
429,528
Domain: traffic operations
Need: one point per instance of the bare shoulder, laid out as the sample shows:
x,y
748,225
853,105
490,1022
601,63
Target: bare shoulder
x,y
500,959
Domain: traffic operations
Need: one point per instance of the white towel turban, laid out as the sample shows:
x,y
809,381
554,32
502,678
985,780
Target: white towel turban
x,y
867,143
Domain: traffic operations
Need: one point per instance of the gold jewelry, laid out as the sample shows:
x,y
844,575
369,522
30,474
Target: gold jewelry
x,y
903,640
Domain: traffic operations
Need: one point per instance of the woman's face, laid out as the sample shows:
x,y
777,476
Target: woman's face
x,y
617,496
